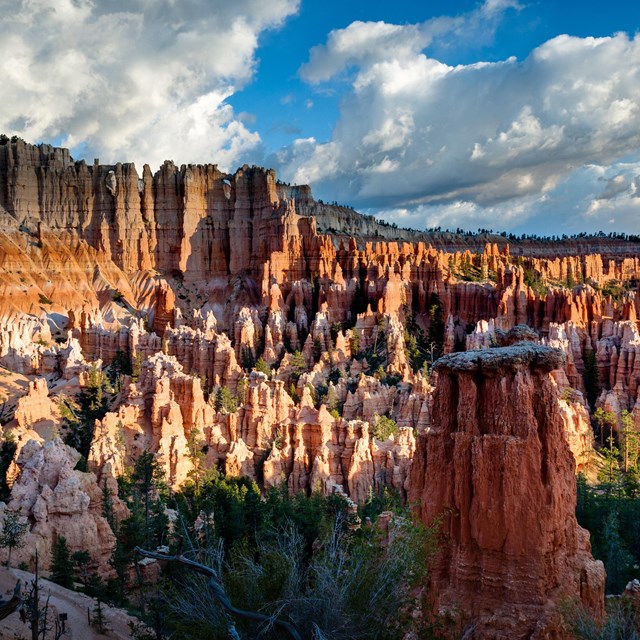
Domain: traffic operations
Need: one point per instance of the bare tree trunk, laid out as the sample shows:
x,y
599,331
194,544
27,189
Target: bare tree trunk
x,y
35,603
7,608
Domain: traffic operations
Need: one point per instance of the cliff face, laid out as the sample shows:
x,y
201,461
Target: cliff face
x,y
209,261
58,500
303,446
219,270
192,219
496,467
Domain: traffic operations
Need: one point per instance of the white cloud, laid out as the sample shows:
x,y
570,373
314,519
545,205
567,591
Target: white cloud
x,y
142,80
591,198
364,44
420,135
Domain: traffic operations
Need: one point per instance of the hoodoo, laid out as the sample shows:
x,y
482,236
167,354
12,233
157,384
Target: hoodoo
x,y
496,467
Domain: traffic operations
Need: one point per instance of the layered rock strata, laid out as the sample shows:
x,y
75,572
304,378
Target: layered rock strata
x,y
304,446
496,468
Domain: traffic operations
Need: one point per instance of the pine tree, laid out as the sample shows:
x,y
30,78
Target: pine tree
x,y
82,559
262,366
61,563
92,405
148,520
225,400
98,621
298,366
618,560
631,440
195,454
107,506
14,530
590,377
7,453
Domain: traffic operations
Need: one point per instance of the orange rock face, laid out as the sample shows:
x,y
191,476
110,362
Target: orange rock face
x,y
496,467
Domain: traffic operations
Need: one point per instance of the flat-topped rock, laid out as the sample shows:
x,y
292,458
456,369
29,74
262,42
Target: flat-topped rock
x,y
519,333
495,468
495,360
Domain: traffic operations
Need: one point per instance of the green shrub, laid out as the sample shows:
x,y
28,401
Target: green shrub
x,y
384,427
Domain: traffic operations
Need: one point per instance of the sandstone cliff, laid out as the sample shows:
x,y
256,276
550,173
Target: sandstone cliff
x,y
219,270
56,500
214,285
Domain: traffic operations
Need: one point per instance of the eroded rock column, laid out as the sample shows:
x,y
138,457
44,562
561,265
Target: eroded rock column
x,y
496,467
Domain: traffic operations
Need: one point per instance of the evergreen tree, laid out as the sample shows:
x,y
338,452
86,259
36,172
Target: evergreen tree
x,y
92,405
196,455
383,427
241,389
298,367
262,366
436,324
618,560
7,452
82,559
631,440
120,367
98,621
107,506
225,400
61,563
590,377
148,521
605,421
14,530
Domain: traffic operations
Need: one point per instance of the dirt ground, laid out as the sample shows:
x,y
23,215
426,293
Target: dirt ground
x,y
74,604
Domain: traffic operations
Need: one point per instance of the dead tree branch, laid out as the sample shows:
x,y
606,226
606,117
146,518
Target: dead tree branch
x,y
8,607
219,592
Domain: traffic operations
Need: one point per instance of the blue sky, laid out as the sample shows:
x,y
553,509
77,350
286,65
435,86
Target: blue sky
x,y
510,114
278,98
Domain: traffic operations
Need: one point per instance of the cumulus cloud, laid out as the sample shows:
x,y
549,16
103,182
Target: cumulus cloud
x,y
365,44
591,198
471,141
143,80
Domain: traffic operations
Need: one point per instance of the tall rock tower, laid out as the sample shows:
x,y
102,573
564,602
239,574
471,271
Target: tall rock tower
x,y
497,468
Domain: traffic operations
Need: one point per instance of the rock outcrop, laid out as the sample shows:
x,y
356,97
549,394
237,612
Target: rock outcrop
x,y
280,331
496,467
58,500
304,446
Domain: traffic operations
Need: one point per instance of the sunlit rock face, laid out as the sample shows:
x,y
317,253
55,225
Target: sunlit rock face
x,y
495,465
57,500
193,275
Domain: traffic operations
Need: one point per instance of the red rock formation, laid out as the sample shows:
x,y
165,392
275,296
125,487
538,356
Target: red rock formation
x,y
496,467
35,406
